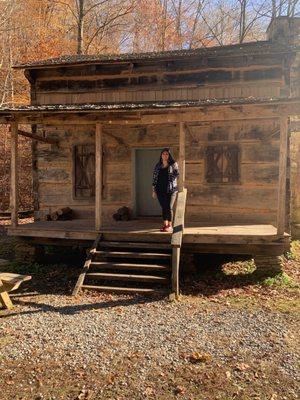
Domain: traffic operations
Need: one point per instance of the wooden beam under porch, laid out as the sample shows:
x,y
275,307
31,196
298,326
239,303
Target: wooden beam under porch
x,y
236,239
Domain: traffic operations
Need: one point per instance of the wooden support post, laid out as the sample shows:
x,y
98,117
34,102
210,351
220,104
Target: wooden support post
x,y
176,241
281,206
175,272
98,177
181,156
14,201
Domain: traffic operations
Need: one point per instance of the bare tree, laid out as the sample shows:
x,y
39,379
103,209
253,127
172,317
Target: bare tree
x,y
92,18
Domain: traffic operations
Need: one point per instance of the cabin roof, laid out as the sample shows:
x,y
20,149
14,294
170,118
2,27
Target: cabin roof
x,y
265,47
90,107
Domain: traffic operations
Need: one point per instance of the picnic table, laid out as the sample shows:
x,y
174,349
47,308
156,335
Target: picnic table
x,y
8,283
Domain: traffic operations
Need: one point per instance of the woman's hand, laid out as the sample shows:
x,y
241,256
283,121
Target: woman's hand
x,y
154,194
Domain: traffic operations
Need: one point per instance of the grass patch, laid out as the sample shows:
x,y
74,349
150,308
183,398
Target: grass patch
x,y
5,340
280,280
294,253
289,306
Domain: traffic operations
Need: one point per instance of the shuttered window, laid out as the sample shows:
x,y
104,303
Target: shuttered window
x,y
84,171
222,164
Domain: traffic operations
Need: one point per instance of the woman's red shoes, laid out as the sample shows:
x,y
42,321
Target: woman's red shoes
x,y
166,228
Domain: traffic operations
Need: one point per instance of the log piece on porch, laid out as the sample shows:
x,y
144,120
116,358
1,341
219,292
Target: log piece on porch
x,y
62,214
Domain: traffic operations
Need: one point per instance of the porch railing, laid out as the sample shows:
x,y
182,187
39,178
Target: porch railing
x,y
176,241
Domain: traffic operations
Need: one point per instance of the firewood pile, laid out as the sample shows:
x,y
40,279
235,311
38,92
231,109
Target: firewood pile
x,y
21,214
61,214
123,214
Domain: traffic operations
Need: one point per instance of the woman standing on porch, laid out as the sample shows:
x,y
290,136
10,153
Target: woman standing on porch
x,y
164,186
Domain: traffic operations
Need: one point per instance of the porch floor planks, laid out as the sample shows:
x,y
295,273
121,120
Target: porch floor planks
x,y
84,229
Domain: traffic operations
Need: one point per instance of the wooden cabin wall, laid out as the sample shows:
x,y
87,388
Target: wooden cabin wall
x,y
187,79
252,200
54,170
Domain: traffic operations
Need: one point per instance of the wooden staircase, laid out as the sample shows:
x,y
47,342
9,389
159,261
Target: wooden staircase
x,y
121,263
127,267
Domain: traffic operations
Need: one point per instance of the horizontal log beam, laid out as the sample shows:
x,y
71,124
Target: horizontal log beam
x,y
37,137
129,72
160,116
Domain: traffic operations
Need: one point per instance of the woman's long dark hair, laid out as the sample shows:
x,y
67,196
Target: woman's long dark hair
x,y
171,160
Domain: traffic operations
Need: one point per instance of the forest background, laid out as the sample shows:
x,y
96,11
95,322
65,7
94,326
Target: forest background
x,y
38,29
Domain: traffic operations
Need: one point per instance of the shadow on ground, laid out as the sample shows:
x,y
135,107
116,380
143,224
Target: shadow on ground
x,y
214,273
73,309
204,275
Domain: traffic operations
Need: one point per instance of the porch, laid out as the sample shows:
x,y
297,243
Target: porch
x,y
180,114
236,239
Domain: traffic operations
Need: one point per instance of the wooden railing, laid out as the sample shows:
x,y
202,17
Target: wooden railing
x,y
176,241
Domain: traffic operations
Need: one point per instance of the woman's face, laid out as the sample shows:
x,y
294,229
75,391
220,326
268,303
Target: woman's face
x,y
165,155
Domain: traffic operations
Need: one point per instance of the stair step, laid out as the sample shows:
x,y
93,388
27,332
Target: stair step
x,y
128,277
145,267
131,254
137,245
138,236
122,289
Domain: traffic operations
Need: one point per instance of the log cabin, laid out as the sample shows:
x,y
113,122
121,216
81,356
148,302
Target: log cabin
x,y
98,123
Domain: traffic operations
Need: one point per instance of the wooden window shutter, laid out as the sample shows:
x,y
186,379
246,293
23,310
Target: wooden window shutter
x,y
84,160
222,164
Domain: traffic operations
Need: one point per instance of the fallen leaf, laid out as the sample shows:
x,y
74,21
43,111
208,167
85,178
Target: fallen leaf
x,y
242,367
197,357
148,391
179,390
228,374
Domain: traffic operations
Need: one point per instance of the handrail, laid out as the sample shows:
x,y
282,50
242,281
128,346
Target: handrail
x,y
176,240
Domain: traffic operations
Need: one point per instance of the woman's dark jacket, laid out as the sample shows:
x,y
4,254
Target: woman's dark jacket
x,y
173,173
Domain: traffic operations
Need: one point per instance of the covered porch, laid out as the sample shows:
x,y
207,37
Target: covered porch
x,y
203,237
178,113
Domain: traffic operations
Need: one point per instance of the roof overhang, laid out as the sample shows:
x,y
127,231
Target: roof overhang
x,y
264,47
153,112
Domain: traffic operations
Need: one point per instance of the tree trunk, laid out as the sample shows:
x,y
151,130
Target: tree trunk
x,y
80,26
242,21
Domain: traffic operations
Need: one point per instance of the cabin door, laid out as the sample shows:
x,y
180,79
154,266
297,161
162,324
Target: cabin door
x,y
145,160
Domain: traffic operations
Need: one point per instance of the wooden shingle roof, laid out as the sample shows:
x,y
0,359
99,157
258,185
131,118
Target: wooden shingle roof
x,y
250,48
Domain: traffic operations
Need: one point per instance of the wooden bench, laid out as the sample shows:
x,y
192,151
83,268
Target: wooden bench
x,y
8,283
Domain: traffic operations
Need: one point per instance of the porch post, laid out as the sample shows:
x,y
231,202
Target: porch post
x,y
98,176
181,156
14,198
281,205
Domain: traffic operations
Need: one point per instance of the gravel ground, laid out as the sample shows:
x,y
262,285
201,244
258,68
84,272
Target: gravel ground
x,y
151,335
